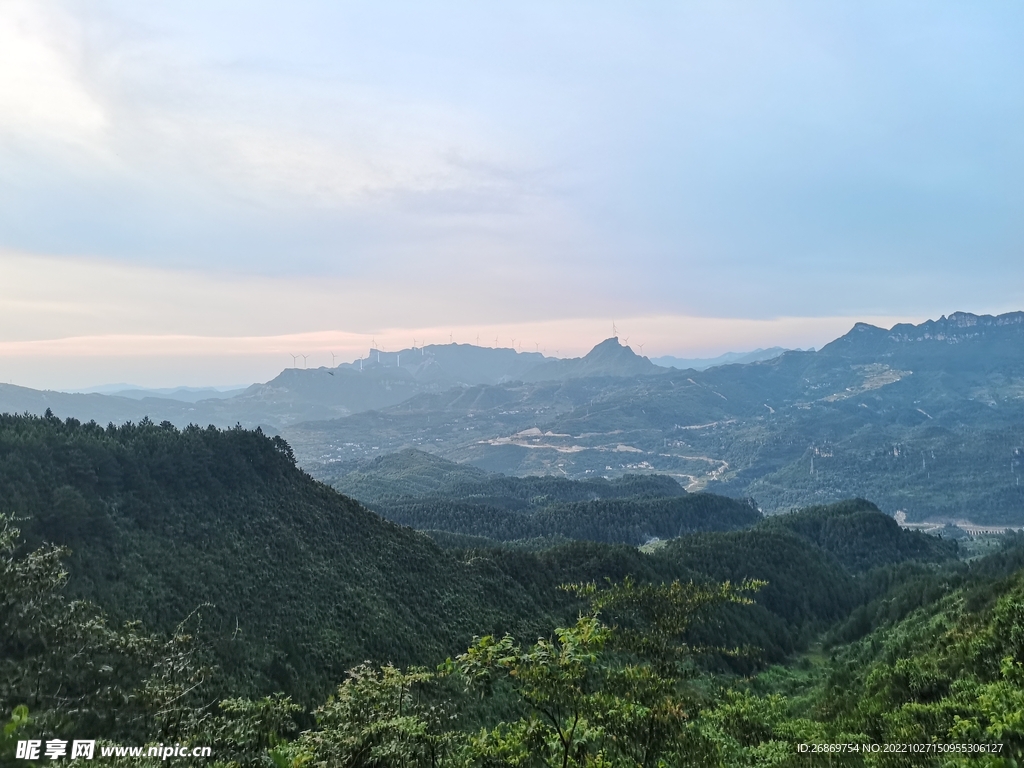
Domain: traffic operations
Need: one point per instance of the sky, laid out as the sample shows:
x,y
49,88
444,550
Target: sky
x,y
192,192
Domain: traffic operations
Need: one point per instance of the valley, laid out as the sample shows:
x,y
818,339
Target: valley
x,y
802,428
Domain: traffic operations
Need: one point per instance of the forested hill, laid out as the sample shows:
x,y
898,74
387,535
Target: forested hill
x,y
299,582
860,536
413,473
428,493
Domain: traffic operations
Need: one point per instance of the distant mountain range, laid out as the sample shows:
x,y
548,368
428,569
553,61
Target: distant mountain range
x,y
729,358
181,394
925,418
295,395
449,365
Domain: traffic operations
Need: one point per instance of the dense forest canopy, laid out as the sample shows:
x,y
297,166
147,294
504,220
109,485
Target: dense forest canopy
x,y
214,593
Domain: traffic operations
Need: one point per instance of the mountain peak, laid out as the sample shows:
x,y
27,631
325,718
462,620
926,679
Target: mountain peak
x,y
609,358
610,346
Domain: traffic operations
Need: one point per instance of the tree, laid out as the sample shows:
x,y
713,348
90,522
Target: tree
x,y
379,717
596,694
78,676
559,680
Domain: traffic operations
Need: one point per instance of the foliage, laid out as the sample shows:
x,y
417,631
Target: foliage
x,y
921,646
76,673
380,716
12,731
653,621
160,521
622,521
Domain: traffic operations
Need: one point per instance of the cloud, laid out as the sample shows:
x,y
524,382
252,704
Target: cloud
x,y
45,297
291,142
281,166
43,97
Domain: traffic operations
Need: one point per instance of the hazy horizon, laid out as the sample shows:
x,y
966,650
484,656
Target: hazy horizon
x,y
267,364
116,387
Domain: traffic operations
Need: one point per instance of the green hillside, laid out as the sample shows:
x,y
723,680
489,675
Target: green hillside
x,y
161,521
299,581
933,663
622,521
414,473
297,584
860,536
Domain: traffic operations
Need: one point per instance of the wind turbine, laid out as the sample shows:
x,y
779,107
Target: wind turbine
x,y
450,339
478,339
513,345
626,342
641,349
495,342
615,331
304,360
295,360
537,345
332,359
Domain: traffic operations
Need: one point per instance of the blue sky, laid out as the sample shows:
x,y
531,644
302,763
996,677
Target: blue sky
x,y
712,176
